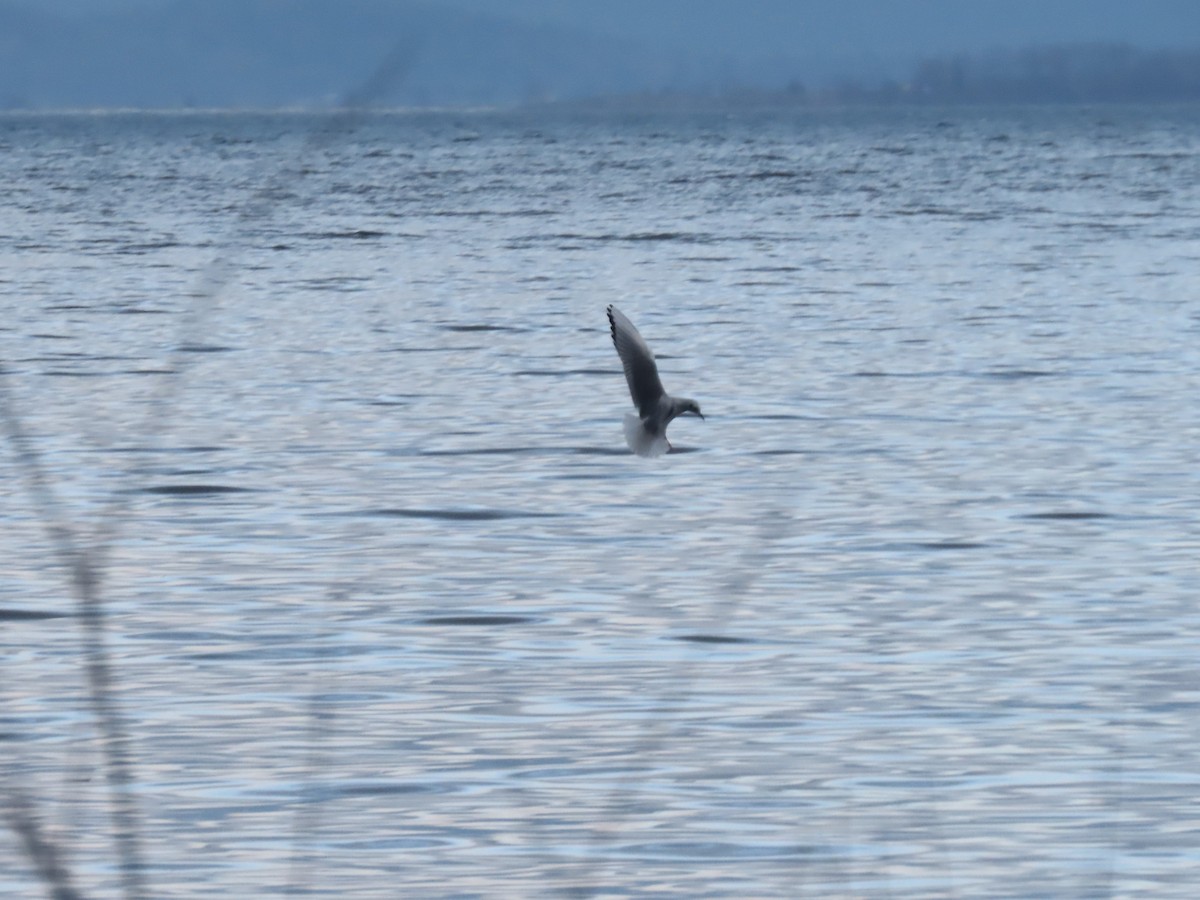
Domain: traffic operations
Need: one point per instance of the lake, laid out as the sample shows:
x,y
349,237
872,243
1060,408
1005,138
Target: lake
x,y
391,610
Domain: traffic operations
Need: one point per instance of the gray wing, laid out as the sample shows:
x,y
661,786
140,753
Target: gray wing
x,y
640,369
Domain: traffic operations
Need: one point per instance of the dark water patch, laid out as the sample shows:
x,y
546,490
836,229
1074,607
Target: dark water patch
x,y
991,319
279,652
149,371
713,639
966,215
494,213
467,328
468,349
396,845
459,515
192,448
336,697
386,403
1018,374
711,850
66,373
193,490
1068,515
686,237
773,173
554,373
879,373
482,621
478,451
170,472
1150,155
551,767
184,636
675,448
947,545
203,348
345,284
29,615
358,234
137,311
148,246
1108,228
386,788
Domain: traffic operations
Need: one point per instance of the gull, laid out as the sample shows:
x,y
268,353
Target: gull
x,y
646,433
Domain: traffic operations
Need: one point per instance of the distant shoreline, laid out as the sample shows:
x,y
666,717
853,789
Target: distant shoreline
x,y
1054,75
633,104
1060,74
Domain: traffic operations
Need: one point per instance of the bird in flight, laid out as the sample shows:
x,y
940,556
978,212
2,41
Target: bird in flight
x,y
646,432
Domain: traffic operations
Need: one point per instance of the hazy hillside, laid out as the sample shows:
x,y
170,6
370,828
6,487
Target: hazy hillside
x,y
307,52
312,53
1086,73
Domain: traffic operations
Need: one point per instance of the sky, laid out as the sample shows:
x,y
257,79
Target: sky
x,y
763,42
850,27
774,27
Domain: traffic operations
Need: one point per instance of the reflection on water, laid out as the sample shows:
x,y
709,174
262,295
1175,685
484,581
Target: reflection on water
x,y
393,609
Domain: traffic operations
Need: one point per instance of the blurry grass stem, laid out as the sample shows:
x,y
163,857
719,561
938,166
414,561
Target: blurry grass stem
x,y
85,559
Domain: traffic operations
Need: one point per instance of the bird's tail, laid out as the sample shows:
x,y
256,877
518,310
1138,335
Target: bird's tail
x,y
642,442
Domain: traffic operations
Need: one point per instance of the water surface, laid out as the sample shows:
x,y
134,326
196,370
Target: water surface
x,y
392,610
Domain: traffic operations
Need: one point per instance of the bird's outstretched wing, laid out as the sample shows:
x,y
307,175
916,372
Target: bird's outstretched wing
x,y
640,369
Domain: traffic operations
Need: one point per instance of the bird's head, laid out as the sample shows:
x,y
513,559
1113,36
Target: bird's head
x,y
688,407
